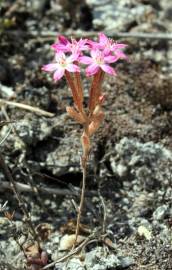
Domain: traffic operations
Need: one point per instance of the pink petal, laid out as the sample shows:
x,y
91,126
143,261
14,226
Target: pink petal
x,y
107,51
108,69
73,57
118,46
92,69
94,53
60,55
85,60
103,39
73,68
63,40
50,67
120,54
59,47
58,74
93,45
82,42
111,58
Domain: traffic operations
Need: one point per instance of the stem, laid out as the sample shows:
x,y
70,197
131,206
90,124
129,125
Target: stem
x,y
78,83
95,90
84,160
84,166
76,97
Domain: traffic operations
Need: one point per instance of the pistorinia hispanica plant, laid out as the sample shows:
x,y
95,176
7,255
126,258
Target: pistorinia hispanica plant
x,y
69,55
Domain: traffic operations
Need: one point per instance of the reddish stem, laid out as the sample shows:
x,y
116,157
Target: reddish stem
x,y
78,83
76,97
95,90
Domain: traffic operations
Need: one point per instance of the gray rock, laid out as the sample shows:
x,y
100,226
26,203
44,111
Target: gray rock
x,y
66,157
97,259
117,14
140,161
10,251
119,169
37,6
126,262
165,234
52,245
160,212
30,130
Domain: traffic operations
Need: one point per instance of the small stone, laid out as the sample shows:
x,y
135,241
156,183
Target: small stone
x,y
121,170
160,212
126,262
6,91
67,241
143,231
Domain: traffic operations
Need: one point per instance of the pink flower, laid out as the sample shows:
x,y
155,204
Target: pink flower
x,y
62,63
98,61
74,46
107,45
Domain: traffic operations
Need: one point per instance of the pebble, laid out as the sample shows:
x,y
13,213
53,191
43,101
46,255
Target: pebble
x,y
160,212
126,262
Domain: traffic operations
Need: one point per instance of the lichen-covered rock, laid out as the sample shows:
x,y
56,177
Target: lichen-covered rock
x,y
140,160
66,157
118,15
160,212
10,251
97,259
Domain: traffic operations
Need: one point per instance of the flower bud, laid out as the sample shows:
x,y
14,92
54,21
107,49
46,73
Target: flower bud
x,y
101,99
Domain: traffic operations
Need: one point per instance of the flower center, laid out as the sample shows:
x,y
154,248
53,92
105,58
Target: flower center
x,y
99,59
62,61
75,48
109,43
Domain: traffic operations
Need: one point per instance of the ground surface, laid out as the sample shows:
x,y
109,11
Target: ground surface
x,y
129,183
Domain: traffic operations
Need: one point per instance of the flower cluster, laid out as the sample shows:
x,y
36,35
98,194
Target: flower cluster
x,y
69,54
98,57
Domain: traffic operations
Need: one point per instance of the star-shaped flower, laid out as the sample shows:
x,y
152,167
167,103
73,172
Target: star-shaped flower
x,y
98,60
62,63
73,46
107,45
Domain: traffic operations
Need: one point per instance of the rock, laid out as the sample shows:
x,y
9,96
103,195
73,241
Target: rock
x,y
37,6
30,130
119,169
142,160
6,91
143,231
33,130
52,245
9,249
74,263
141,204
165,234
67,241
38,97
160,212
120,15
97,260
126,262
65,158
